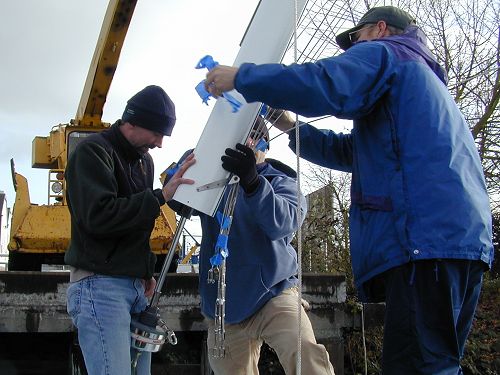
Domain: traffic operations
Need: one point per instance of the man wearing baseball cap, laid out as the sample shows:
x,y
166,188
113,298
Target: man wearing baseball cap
x,y
113,208
395,19
420,220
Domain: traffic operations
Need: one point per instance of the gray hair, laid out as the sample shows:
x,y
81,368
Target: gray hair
x,y
394,30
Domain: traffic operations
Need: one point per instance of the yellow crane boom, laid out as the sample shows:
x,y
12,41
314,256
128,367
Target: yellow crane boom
x,y
104,62
41,233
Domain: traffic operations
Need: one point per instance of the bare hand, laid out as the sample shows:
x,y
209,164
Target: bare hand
x,y
149,286
280,119
170,187
220,79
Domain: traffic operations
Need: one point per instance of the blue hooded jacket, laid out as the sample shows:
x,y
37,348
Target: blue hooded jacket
x,y
418,190
261,261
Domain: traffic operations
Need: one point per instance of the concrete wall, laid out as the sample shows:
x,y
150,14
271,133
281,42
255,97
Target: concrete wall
x,y
35,302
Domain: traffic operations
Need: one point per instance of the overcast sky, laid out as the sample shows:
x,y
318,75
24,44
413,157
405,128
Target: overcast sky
x,y
46,50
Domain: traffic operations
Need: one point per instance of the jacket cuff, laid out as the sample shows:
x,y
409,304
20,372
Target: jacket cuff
x,y
159,196
252,186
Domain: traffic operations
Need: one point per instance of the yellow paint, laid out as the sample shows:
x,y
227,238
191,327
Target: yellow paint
x,y
190,254
47,228
40,153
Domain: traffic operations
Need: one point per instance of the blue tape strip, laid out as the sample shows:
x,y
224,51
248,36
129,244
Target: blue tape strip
x,y
262,145
203,94
209,63
221,243
216,260
224,221
206,62
221,249
263,109
171,171
235,104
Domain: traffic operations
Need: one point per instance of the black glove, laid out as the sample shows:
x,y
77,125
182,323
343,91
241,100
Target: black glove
x,y
242,163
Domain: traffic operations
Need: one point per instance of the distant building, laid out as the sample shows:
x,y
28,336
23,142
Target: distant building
x,y
325,231
4,230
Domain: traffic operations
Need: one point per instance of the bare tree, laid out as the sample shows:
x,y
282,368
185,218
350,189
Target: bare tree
x,y
465,37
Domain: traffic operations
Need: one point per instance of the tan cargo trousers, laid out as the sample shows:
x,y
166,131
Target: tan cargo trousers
x,y
275,323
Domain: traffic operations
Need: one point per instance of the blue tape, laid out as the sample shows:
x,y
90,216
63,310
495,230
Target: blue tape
x,y
221,251
221,243
209,63
224,221
171,171
235,104
216,260
206,62
263,109
203,94
262,145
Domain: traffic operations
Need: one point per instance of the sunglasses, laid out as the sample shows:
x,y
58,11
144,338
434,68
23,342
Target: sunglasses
x,y
354,35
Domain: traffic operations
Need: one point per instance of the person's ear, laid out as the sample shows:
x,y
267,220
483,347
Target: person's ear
x,y
382,29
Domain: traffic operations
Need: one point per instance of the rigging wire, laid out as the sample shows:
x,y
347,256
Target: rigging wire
x,y
319,23
299,212
364,337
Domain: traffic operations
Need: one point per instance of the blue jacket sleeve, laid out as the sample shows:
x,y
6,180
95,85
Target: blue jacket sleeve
x,y
346,86
324,147
274,206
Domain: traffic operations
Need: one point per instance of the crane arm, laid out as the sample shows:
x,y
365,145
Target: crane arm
x,y
104,62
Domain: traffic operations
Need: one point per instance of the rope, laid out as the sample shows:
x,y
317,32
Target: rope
x,y
364,338
299,212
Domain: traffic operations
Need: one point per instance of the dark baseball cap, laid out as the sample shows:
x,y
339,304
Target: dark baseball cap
x,y
391,15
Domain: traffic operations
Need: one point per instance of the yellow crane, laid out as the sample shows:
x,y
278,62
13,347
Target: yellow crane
x,y
40,234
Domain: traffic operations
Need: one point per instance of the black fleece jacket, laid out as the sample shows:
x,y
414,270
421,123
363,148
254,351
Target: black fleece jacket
x,y
113,207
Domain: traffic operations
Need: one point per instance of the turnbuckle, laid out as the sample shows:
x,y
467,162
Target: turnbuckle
x,y
213,275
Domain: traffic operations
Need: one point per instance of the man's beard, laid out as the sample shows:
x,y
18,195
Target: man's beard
x,y
144,149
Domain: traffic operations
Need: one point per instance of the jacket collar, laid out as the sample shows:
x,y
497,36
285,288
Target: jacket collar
x,y
414,39
121,143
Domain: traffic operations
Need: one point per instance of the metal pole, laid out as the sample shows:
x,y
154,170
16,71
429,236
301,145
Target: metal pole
x,y
183,251
166,264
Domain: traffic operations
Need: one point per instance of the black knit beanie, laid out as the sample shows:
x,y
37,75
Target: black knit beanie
x,y
152,109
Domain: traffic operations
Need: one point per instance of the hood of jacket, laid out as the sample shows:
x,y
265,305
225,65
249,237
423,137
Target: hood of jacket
x,y
414,39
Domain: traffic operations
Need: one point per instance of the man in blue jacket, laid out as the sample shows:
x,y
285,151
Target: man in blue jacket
x,y
420,222
261,269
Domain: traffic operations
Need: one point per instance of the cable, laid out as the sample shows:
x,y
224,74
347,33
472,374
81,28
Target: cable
x,y
364,338
299,212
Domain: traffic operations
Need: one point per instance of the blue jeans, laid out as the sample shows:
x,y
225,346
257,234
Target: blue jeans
x,y
101,308
430,306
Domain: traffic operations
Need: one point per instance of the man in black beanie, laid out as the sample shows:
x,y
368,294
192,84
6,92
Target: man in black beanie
x,y
113,208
